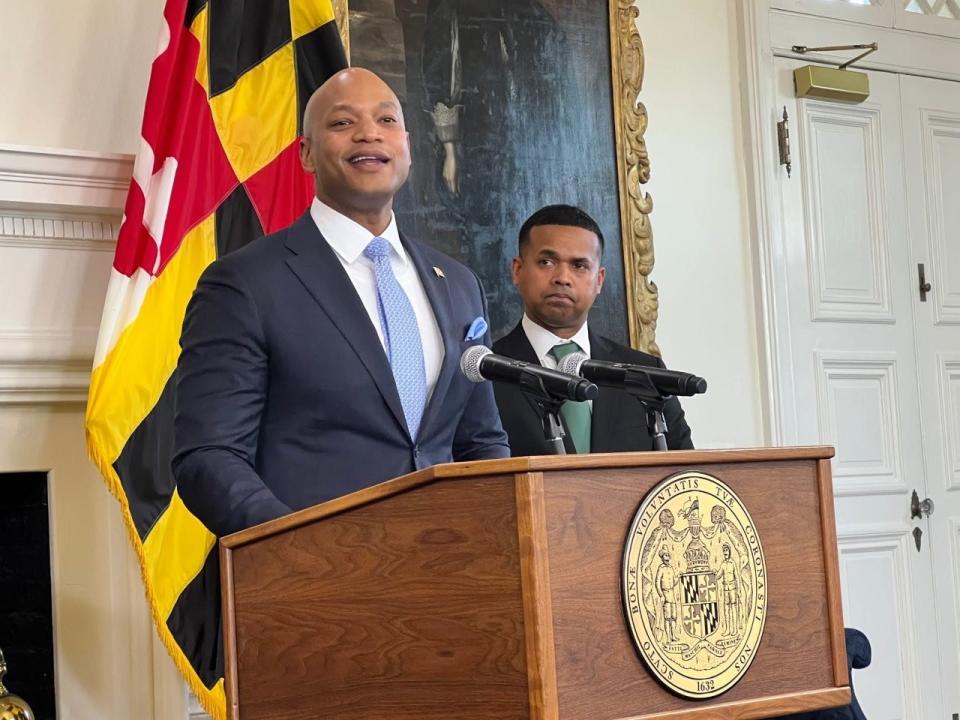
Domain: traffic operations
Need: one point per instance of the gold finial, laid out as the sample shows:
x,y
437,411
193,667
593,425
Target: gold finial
x,y
11,706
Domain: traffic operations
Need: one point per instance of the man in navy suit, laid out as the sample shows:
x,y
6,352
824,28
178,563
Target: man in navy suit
x,y
559,273
323,359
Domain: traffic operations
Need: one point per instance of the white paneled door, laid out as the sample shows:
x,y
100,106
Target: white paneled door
x,y
931,141
876,372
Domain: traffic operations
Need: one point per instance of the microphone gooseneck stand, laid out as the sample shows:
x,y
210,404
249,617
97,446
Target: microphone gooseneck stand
x,y
549,406
656,422
640,386
553,431
651,386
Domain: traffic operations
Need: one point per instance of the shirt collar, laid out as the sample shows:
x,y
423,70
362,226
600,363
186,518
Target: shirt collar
x,y
348,238
543,340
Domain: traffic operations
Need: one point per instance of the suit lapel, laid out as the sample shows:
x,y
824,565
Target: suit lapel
x,y
318,268
610,409
517,345
438,293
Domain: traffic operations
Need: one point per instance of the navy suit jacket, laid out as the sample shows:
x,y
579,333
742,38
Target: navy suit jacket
x,y
619,420
285,397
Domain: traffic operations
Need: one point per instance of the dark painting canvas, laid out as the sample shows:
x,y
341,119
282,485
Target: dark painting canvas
x,y
508,105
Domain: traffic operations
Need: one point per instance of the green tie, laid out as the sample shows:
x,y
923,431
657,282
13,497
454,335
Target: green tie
x,y
575,414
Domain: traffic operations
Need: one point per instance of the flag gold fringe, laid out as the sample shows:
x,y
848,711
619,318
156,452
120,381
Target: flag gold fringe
x,y
213,701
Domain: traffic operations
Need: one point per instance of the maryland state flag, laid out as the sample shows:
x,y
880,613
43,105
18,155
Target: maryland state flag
x,y
217,167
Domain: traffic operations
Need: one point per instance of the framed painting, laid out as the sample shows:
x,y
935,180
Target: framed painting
x,y
512,105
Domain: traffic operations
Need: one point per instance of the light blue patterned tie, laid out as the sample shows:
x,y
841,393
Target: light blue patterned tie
x,y
401,335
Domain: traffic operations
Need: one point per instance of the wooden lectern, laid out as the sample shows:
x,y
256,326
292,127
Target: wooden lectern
x,y
491,591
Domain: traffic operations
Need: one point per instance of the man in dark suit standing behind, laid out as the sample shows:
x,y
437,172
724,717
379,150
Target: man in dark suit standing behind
x,y
323,359
559,273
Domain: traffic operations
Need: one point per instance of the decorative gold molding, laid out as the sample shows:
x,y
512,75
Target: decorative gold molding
x,y
633,170
633,167
342,15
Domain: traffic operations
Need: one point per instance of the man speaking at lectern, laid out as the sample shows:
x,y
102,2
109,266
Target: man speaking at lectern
x,y
559,273
323,359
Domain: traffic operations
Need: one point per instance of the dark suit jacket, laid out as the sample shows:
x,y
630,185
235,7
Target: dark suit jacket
x,y
619,420
284,394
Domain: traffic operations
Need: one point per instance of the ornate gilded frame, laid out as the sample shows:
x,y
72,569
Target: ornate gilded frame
x,y
633,167
343,22
633,170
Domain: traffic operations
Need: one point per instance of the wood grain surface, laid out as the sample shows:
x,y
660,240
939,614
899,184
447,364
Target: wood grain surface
x,y
404,609
517,465
831,561
463,592
537,606
599,674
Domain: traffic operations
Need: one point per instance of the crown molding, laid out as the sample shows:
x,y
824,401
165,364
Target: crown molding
x,y
45,178
44,383
64,230
47,366
55,201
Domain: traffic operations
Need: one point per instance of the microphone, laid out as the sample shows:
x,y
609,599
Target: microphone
x,y
625,375
479,363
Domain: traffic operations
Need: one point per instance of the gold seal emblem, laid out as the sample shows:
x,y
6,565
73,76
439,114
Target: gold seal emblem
x,y
695,585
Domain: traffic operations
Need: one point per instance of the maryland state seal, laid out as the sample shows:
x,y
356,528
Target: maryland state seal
x,y
695,585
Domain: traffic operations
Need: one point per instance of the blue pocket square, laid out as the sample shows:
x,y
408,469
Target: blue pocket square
x,y
477,329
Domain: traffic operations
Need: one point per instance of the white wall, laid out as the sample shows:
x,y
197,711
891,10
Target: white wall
x,y
55,251
73,73
107,660
78,72
703,268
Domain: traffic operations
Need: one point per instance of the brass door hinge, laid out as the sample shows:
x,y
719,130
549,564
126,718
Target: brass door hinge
x,y
783,141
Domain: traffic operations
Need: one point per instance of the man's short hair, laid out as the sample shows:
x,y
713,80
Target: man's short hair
x,y
567,215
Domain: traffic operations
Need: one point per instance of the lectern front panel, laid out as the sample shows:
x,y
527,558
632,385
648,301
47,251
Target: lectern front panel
x,y
494,590
405,609
600,675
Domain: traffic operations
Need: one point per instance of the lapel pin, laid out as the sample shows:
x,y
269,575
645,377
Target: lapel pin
x,y
439,272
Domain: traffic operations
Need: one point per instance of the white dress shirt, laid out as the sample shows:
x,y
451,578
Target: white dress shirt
x,y
543,342
348,240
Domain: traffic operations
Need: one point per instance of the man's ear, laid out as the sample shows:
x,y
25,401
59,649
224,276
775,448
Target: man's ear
x,y
515,266
601,275
306,157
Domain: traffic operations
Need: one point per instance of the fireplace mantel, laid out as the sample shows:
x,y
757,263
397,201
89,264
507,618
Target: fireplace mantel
x,y
64,179
60,211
